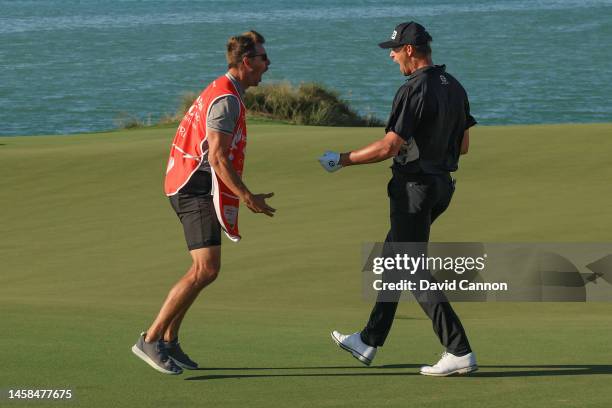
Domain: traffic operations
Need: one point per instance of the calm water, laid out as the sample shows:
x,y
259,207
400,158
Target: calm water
x,y
71,66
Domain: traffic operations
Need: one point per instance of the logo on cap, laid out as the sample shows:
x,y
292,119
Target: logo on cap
x,y
394,34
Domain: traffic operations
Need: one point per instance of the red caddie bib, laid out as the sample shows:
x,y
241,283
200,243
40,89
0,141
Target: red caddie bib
x,y
186,153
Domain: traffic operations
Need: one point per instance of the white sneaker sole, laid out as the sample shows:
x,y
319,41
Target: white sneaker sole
x,y
465,370
140,354
354,353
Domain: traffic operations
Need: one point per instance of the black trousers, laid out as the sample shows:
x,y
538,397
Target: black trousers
x,y
415,203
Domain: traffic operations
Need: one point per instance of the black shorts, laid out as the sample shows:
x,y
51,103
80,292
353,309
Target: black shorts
x,y
197,214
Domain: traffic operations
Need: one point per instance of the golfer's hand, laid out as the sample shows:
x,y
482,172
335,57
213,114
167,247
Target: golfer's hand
x,y
330,161
257,204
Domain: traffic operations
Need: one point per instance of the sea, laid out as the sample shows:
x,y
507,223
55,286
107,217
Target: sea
x,y
71,66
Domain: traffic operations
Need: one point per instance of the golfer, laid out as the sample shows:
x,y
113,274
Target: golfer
x,y
204,183
427,130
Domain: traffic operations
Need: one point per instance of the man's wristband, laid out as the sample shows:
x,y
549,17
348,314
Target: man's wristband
x,y
345,159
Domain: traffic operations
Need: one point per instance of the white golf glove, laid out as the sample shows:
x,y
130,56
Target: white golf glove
x,y
330,161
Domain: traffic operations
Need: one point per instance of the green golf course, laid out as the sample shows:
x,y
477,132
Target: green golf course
x,y
90,247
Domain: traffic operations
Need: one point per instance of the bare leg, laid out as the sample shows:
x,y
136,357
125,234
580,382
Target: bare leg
x,y
205,268
171,331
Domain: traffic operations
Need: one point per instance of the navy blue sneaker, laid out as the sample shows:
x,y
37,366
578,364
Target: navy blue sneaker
x,y
176,353
155,355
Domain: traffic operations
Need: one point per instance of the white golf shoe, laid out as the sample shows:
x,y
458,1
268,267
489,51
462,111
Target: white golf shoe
x,y
353,344
450,364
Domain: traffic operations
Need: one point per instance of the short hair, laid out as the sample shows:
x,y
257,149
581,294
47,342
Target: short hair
x,y
241,45
422,50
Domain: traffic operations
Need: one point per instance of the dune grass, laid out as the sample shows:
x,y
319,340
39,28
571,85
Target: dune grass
x,y
90,246
309,104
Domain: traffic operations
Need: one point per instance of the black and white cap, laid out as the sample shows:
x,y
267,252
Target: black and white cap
x,y
407,33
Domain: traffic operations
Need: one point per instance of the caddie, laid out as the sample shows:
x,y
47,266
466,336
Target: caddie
x,y
204,184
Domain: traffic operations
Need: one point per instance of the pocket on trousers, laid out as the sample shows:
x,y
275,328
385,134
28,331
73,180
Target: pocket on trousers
x,y
416,196
396,189
407,196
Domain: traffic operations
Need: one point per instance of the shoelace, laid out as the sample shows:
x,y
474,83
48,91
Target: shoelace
x,y
162,352
442,357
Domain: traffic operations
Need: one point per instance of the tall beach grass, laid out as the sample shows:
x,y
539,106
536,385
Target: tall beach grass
x,y
308,104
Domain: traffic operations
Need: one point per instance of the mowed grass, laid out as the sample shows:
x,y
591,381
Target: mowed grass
x,y
90,246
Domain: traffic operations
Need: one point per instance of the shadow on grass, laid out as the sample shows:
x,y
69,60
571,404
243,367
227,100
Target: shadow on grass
x,y
529,370
486,371
233,376
543,370
293,368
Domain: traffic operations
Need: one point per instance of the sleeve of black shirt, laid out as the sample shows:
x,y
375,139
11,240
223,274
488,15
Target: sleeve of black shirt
x,y
469,119
405,113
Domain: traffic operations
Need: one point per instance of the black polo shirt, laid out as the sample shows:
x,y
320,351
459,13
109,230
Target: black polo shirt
x,y
431,108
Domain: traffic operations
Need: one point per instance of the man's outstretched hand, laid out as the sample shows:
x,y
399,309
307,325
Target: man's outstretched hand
x,y
330,161
257,204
